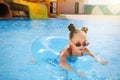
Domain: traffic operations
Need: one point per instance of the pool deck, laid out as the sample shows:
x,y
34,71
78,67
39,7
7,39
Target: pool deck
x,y
93,17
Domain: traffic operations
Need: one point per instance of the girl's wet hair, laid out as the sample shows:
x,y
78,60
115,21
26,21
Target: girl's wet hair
x,y
73,30
84,29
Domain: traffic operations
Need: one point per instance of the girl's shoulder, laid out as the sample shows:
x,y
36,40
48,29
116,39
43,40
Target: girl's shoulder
x,y
66,50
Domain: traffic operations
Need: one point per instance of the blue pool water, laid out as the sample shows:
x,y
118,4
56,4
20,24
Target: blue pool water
x,y
29,50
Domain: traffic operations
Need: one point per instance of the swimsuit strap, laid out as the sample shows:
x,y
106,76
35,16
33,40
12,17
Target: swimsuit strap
x,y
70,49
81,53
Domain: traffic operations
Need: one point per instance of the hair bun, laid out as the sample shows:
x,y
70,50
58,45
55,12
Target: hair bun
x,y
71,27
85,29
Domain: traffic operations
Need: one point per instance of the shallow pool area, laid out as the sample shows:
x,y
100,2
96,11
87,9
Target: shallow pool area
x,y
29,49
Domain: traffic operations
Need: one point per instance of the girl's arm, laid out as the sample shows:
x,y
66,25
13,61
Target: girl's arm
x,y
62,60
95,57
63,64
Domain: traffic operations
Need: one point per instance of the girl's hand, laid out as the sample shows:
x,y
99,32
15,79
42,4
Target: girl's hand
x,y
103,62
80,74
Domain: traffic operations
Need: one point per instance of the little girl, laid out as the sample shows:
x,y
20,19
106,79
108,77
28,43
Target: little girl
x,y
77,47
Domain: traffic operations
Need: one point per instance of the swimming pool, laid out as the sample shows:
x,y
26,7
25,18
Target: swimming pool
x,y
29,49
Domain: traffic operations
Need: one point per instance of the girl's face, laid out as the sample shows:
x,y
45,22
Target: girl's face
x,y
78,42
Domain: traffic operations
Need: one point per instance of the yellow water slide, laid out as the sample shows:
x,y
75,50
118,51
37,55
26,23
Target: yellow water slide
x,y
36,10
